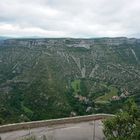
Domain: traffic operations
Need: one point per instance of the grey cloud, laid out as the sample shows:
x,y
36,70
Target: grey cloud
x,y
71,18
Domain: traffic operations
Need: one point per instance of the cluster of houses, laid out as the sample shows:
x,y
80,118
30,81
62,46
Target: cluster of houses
x,y
81,98
123,95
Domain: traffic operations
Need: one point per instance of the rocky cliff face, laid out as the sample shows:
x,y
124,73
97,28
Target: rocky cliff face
x,y
49,78
68,41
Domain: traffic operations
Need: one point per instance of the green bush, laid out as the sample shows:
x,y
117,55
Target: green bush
x,y
29,138
125,125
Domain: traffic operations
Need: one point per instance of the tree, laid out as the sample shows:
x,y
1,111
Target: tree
x,y
125,125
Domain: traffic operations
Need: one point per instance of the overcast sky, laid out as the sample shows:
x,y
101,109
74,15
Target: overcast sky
x,y
70,18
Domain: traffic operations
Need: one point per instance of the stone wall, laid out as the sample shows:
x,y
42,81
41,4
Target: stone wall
x,y
36,124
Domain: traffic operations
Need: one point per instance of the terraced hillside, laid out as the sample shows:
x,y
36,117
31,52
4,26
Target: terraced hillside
x,y
53,78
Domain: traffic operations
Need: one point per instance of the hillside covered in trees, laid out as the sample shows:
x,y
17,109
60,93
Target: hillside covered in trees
x,y
61,77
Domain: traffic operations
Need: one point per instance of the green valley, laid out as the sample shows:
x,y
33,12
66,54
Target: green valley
x,y
46,78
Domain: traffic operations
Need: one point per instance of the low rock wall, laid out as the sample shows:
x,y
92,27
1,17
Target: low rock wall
x,y
36,124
